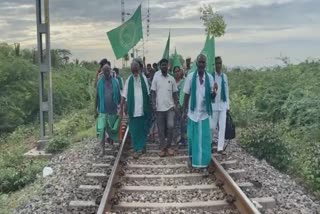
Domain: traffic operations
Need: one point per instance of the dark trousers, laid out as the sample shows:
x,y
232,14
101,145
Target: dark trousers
x,y
165,120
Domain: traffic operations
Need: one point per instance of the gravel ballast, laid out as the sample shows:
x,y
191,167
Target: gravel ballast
x,y
71,166
69,172
291,197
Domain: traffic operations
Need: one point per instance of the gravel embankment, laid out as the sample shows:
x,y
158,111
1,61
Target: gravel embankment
x,y
69,172
71,167
291,197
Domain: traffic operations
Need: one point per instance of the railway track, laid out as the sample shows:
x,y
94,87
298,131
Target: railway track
x,y
150,184
89,194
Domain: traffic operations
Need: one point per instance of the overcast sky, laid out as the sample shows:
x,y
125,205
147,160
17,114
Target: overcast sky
x,y
258,31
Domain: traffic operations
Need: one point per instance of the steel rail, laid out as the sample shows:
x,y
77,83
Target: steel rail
x,y
236,195
105,204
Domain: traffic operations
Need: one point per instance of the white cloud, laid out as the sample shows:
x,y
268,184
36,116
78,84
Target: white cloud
x,y
191,9
253,26
259,35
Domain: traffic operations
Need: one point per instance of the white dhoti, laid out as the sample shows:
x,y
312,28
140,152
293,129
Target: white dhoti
x,y
219,117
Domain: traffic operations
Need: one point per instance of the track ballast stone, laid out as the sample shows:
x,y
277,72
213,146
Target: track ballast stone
x,y
70,169
69,172
291,197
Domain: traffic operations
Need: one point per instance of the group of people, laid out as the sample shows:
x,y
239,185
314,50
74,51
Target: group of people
x,y
185,105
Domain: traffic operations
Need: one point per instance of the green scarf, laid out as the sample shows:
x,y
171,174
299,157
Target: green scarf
x,y
120,82
115,91
145,96
194,93
223,95
180,91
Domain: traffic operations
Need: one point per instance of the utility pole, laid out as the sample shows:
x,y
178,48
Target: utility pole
x,y
148,30
122,21
44,59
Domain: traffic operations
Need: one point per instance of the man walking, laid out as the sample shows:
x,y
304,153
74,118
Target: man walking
x,y
136,97
165,103
198,89
220,104
106,105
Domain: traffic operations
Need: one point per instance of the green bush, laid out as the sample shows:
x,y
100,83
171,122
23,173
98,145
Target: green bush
x,y
74,122
72,86
243,110
19,100
57,144
15,170
311,163
286,98
15,177
306,163
18,93
263,141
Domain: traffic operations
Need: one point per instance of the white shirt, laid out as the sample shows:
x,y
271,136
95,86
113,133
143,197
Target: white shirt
x,y
158,72
164,86
218,104
200,111
138,97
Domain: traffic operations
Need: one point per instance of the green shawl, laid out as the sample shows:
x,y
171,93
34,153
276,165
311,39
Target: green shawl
x,y
180,91
120,82
194,93
223,95
145,96
100,90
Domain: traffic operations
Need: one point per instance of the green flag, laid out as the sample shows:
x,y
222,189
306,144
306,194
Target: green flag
x,y
126,36
166,50
213,53
176,60
209,51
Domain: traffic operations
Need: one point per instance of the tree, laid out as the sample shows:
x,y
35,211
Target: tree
x,y
17,49
59,57
76,61
29,55
6,50
284,59
213,22
90,65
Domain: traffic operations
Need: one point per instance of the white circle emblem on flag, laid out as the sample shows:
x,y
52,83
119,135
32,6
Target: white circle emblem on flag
x,y
127,34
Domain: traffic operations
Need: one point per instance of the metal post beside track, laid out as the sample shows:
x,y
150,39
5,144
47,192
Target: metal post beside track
x,y
45,80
